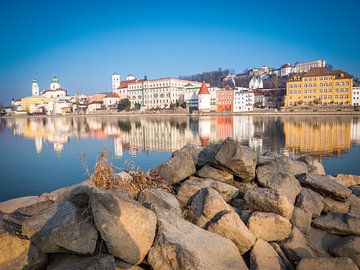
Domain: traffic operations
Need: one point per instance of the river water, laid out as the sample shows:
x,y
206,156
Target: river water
x,y
42,154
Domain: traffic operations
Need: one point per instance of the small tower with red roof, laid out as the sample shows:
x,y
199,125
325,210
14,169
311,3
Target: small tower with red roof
x,y
204,99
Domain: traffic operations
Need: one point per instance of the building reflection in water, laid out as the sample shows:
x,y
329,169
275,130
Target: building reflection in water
x,y
319,136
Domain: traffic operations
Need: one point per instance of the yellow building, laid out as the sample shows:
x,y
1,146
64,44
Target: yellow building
x,y
33,104
319,86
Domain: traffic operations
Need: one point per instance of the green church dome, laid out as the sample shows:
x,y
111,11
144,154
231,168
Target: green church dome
x,y
54,79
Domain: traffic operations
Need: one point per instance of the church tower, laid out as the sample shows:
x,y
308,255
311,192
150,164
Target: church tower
x,y
204,99
115,79
35,88
55,84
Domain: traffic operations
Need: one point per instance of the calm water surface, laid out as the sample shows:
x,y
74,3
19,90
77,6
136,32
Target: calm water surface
x,y
42,154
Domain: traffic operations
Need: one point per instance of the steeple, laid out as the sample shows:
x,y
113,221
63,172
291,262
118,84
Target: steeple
x,y
204,90
35,88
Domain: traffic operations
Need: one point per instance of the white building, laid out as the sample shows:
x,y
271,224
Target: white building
x,y
256,82
35,88
355,100
115,81
244,100
55,84
306,66
285,70
111,100
55,90
204,99
94,106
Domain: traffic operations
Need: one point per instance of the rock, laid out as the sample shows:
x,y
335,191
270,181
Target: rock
x,y
176,169
120,265
314,166
268,200
338,223
282,255
282,163
17,252
207,155
263,256
245,214
331,205
282,182
322,241
301,219
181,245
63,194
205,205
72,262
269,226
62,228
349,247
33,209
324,185
213,173
191,149
354,206
237,159
324,263
127,227
13,204
230,226
161,198
189,187
310,201
348,180
296,247
356,190
243,187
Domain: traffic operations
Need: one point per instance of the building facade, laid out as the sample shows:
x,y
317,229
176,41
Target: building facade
x,y
204,99
35,88
244,100
319,86
306,66
225,100
355,100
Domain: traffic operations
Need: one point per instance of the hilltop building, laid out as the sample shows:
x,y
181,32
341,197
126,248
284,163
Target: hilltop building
x,y
319,86
306,66
54,84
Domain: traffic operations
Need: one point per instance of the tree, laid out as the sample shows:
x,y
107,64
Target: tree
x,y
316,101
124,104
137,106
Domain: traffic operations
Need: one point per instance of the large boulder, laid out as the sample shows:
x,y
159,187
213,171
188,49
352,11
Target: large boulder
x,y
297,247
268,200
282,163
191,149
348,247
189,187
181,245
237,159
322,241
301,219
207,155
72,262
33,209
331,205
325,263
310,201
338,223
348,180
288,265
17,252
121,265
127,227
161,198
356,190
282,182
230,226
324,185
62,228
269,226
213,173
354,202
264,257
314,166
176,169
13,204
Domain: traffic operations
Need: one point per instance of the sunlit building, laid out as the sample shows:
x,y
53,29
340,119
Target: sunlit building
x,y
225,100
306,66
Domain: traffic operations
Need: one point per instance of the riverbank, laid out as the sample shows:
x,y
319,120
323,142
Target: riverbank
x,y
219,207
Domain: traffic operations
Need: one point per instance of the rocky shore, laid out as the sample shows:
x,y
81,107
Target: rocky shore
x,y
227,209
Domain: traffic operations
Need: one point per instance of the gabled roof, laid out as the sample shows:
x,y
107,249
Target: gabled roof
x,y
112,95
124,84
204,90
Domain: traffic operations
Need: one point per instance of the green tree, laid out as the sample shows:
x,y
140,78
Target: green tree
x,y
137,106
124,104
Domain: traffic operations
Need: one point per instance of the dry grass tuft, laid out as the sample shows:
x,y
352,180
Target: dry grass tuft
x,y
188,213
105,177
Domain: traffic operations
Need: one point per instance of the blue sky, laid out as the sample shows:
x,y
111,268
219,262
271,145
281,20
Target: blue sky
x,y
84,42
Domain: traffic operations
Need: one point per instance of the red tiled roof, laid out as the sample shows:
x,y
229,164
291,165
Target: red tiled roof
x,y
51,90
112,95
124,84
204,90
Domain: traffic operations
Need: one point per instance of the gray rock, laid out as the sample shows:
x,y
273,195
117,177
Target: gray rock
x,y
268,200
72,262
189,187
213,173
17,252
62,228
324,185
161,198
349,247
245,215
176,169
322,241
282,255
310,201
207,155
121,265
314,166
13,204
191,149
127,227
356,190
33,209
282,182
326,263
297,247
282,163
338,223
269,226
230,226
301,219
237,159
333,206
181,245
348,180
354,206
243,187
263,256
